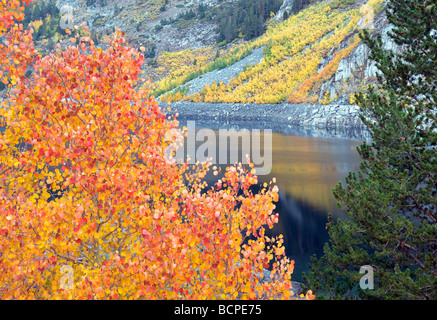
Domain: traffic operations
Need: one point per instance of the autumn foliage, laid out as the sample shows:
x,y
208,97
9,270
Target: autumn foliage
x,y
17,53
85,182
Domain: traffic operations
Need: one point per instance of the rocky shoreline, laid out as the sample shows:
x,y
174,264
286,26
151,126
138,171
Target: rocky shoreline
x,y
315,120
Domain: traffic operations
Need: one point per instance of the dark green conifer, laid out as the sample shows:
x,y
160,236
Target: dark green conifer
x,y
391,202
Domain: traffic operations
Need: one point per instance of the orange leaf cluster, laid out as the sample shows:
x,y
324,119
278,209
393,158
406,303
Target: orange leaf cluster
x,y
86,186
17,52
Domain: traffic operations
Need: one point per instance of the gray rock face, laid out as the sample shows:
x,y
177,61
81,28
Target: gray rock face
x,y
356,68
347,66
359,58
133,12
286,6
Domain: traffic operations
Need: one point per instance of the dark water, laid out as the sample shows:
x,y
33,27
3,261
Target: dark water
x,y
306,168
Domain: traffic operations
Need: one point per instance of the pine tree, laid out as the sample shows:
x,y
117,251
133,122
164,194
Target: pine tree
x,y
54,11
247,16
44,9
295,7
391,201
36,13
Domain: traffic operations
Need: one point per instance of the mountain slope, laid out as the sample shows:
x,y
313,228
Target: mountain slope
x,y
310,51
314,56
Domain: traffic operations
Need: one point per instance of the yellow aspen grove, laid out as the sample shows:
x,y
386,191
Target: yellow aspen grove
x,y
93,207
293,50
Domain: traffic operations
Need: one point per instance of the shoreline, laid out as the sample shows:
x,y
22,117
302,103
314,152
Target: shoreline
x,y
313,120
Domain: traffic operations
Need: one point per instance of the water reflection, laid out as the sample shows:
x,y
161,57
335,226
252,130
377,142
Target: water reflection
x,y
306,169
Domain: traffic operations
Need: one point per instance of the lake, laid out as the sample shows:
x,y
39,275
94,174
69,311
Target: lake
x,y
307,164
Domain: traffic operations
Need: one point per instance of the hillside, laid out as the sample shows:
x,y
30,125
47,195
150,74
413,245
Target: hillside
x,y
314,56
233,51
